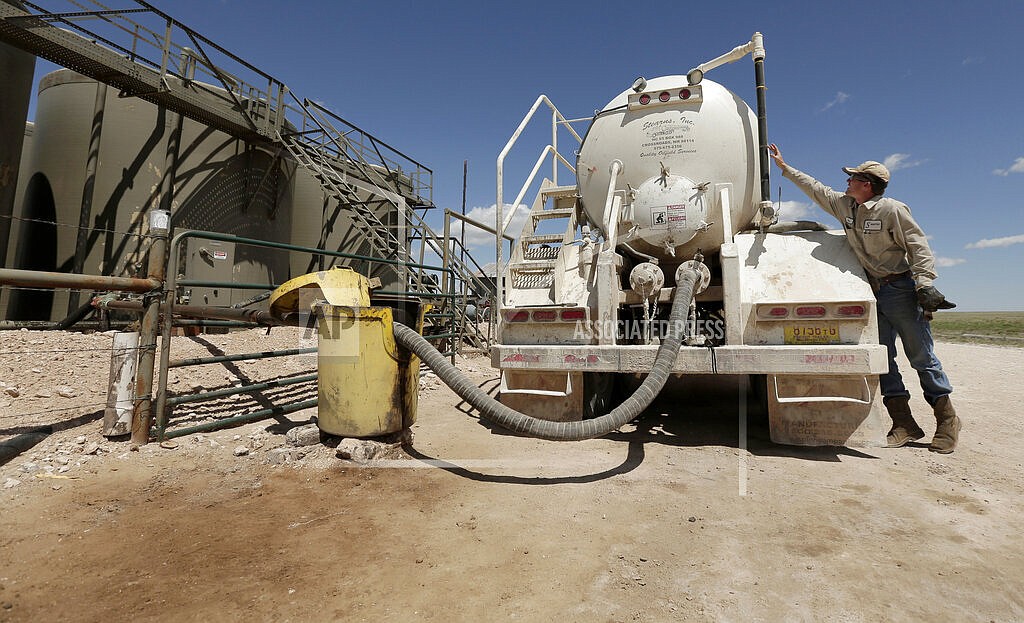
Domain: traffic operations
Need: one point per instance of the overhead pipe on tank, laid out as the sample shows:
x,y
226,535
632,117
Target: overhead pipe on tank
x,y
755,47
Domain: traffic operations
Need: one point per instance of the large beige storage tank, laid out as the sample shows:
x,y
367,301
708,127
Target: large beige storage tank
x,y
17,228
16,67
217,187
222,184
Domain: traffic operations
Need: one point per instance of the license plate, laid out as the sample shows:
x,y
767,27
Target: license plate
x,y
812,333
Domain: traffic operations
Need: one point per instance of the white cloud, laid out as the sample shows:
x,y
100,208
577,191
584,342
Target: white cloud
x,y
895,162
838,99
988,243
945,262
1016,167
476,237
796,211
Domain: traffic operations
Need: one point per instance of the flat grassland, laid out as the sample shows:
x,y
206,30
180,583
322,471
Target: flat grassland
x,y
999,328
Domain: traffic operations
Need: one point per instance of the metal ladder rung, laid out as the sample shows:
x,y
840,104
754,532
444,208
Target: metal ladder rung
x,y
533,267
555,213
543,238
560,191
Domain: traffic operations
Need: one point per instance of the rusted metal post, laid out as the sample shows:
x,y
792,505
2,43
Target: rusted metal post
x,y
142,417
159,228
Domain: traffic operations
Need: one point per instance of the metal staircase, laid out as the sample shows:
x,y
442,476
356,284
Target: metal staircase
x,y
137,50
340,167
534,260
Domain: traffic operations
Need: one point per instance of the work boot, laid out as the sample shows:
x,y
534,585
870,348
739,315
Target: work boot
x,y
904,428
947,427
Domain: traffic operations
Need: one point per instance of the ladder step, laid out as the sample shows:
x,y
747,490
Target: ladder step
x,y
557,213
543,238
533,267
533,280
560,191
541,253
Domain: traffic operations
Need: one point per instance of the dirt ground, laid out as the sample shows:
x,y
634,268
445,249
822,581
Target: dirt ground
x,y
674,518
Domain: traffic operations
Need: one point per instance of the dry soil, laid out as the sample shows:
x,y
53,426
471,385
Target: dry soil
x,y
674,518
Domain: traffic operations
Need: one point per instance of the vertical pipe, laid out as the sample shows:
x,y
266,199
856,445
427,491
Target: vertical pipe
x,y
467,282
446,253
159,229
612,205
88,188
166,200
762,118
448,287
462,236
142,417
123,357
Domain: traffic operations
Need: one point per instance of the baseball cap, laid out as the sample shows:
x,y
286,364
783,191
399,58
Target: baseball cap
x,y
870,167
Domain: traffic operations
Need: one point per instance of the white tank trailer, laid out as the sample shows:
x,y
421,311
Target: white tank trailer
x,y
672,173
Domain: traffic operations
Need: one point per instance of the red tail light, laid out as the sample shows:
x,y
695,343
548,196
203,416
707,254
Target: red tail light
x,y
664,96
645,99
810,311
851,311
684,94
544,315
517,315
772,311
574,314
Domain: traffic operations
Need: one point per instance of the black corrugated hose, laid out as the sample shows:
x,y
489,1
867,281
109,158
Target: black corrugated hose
x,y
497,413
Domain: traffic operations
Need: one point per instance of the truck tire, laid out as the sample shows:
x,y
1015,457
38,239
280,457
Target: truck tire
x,y
598,393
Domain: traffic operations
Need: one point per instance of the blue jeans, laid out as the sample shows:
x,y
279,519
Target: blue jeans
x,y
899,314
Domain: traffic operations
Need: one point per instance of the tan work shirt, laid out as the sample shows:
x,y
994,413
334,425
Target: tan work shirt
x,y
884,236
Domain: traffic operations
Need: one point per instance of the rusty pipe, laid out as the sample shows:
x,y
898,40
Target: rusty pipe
x,y
257,316
41,279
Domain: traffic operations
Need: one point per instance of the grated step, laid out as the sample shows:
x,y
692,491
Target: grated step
x,y
534,267
556,213
543,238
541,253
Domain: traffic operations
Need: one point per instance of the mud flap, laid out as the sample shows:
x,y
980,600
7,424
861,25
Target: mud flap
x,y
825,411
548,395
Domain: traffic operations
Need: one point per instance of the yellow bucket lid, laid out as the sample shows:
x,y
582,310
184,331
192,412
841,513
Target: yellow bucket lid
x,y
337,286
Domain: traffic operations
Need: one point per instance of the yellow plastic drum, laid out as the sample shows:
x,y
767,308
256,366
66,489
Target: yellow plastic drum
x,y
368,385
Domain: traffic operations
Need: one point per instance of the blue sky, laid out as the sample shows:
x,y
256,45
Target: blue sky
x,y
928,87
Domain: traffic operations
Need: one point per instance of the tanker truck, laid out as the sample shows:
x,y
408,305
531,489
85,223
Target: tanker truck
x,y
671,185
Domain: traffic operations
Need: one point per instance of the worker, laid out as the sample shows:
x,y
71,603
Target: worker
x,y
894,253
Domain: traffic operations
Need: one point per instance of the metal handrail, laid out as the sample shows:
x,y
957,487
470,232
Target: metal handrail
x,y
529,180
557,119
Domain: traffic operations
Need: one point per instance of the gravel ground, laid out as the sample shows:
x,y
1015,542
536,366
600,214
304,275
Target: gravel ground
x,y
673,518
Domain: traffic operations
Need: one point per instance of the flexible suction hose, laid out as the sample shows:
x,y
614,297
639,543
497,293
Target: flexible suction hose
x,y
497,413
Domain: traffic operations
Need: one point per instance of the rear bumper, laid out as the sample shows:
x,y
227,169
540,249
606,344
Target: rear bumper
x,y
862,359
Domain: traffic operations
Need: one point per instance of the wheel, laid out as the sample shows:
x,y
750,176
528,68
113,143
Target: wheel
x,y
598,393
757,397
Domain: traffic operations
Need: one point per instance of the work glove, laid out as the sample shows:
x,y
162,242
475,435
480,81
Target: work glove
x,y
931,299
